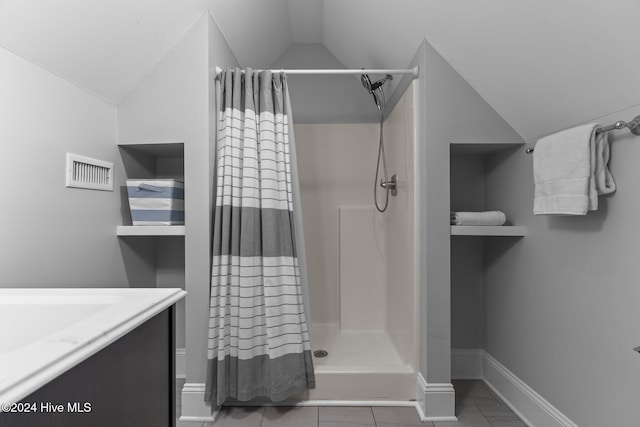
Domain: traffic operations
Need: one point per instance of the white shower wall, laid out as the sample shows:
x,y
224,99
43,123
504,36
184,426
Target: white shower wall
x,y
336,165
362,269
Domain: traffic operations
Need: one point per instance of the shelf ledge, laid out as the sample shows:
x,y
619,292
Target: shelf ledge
x,y
488,230
158,149
483,148
150,230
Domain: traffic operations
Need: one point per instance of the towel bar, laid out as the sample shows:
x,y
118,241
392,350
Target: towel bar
x,y
633,125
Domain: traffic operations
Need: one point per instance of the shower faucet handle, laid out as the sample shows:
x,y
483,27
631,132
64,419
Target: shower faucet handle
x,y
391,185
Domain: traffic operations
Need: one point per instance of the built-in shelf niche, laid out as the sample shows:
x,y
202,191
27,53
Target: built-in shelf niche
x,y
154,255
467,180
470,173
152,160
158,249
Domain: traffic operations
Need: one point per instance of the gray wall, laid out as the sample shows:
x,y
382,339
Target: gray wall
x,y
167,106
449,111
176,101
561,304
54,236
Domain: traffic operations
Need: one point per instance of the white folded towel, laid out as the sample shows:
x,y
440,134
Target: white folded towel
x,y
570,171
478,218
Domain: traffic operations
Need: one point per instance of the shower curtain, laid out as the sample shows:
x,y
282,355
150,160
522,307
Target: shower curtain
x,y
258,344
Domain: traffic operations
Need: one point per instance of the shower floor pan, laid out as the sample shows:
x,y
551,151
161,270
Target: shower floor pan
x,y
360,365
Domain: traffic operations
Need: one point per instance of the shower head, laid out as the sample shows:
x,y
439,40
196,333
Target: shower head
x,y
372,87
366,82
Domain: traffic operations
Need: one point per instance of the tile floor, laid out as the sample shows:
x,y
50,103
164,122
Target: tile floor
x,y
476,406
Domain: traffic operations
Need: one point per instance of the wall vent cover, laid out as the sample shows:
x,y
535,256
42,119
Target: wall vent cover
x,y
92,174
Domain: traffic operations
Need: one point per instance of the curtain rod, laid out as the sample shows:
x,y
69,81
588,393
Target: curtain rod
x,y
413,71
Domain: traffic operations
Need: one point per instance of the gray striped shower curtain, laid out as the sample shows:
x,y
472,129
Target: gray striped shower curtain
x,y
258,344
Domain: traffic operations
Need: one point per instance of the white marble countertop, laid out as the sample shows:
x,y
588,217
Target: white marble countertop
x,y
45,332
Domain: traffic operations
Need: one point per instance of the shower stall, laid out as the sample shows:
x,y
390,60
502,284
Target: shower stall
x,y
361,263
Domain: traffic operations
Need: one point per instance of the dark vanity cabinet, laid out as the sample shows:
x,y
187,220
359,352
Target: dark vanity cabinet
x,y
131,382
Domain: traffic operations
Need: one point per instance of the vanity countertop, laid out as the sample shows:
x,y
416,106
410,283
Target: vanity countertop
x,y
45,332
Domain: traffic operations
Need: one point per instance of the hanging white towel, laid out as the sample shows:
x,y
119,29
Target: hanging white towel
x,y
478,218
570,171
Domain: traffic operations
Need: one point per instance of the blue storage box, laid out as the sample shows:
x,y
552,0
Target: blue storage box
x,y
156,201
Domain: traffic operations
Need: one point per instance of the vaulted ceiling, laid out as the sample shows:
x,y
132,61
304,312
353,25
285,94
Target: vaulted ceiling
x,y
542,64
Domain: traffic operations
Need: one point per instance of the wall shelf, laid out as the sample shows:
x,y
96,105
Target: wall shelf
x,y
488,230
150,230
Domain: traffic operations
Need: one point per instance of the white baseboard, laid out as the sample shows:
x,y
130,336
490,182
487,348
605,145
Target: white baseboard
x,y
181,363
435,402
466,364
193,405
532,408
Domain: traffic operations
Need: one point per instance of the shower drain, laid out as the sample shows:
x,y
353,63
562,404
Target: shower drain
x,y
320,353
